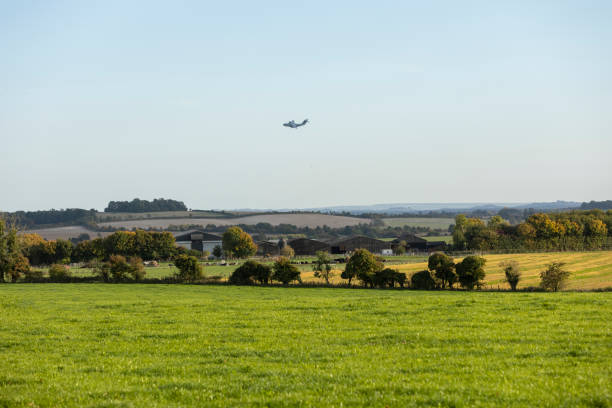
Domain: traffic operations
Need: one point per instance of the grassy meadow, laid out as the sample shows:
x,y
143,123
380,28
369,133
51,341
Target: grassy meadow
x,y
114,345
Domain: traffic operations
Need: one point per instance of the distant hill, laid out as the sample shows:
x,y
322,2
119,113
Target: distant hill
x,y
597,205
416,208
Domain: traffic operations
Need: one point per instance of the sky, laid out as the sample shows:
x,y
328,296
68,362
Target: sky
x,y
408,101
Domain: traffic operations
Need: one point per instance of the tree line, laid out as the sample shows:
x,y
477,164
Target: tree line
x,y
137,205
562,231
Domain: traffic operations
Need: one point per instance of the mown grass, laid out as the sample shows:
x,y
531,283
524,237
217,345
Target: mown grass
x,y
104,345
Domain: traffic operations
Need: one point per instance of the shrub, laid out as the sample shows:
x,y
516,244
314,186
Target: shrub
x,y
33,275
119,268
513,273
423,280
471,271
189,268
251,271
59,272
137,269
554,277
285,272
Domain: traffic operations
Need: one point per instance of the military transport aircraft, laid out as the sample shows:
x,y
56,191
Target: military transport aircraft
x,y
294,125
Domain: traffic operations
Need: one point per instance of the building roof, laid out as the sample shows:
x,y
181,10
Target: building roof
x,y
196,235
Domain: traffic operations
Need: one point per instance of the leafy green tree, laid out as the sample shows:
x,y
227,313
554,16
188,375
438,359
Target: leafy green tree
x,y
217,251
237,243
12,262
63,250
512,272
554,277
285,272
443,268
322,266
471,271
362,265
423,280
189,268
459,241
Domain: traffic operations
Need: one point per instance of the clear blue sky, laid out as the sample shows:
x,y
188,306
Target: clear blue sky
x,y
409,101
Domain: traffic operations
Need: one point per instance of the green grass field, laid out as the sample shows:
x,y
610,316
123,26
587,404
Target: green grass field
x,y
105,345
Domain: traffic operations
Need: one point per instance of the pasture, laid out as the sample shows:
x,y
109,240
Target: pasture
x,y
95,345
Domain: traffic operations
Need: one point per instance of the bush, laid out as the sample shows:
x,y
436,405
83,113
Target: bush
x,y
512,272
189,268
423,280
389,277
33,275
137,268
285,272
249,272
59,272
471,271
554,277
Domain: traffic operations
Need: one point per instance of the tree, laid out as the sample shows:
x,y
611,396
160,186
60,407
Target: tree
x,y
189,268
12,262
423,280
554,277
237,243
471,271
389,277
251,271
443,268
322,266
362,265
285,272
217,251
459,232
512,272
63,250
287,252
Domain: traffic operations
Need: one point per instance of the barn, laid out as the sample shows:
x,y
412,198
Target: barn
x,y
414,243
198,240
350,244
268,248
306,246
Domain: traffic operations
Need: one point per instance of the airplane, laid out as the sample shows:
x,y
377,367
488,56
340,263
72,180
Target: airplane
x,y
294,125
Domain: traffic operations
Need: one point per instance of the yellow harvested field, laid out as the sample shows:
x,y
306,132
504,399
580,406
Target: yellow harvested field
x,y
589,270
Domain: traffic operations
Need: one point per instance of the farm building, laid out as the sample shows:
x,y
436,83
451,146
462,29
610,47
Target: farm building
x,y
198,240
414,243
270,248
350,244
305,246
